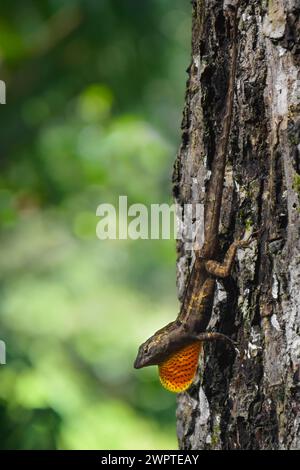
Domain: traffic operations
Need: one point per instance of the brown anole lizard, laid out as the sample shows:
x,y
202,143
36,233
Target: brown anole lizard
x,y
176,347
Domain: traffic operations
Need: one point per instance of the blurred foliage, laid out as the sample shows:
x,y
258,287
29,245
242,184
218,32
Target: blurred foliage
x,y
95,90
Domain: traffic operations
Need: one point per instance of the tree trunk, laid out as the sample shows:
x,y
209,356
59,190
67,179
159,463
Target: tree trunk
x,y
250,400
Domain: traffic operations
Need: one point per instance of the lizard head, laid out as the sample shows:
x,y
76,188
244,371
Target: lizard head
x,y
177,368
159,346
149,353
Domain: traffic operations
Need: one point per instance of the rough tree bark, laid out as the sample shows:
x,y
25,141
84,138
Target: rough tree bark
x,y
249,401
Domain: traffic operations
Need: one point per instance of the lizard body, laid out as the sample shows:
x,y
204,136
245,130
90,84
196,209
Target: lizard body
x,y
176,347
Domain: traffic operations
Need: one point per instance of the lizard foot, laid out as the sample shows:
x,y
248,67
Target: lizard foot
x,y
214,336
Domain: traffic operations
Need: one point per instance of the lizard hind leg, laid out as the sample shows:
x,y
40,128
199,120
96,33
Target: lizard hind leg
x,y
178,371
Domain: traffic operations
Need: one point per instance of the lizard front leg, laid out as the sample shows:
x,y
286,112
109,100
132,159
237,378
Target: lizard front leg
x,y
224,269
214,336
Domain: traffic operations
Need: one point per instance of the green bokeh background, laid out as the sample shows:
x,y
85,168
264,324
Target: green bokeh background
x,y
95,91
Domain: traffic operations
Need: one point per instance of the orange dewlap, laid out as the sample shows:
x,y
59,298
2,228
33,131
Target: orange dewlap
x,y
177,373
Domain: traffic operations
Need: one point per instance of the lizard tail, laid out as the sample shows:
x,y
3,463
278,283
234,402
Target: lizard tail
x,y
178,371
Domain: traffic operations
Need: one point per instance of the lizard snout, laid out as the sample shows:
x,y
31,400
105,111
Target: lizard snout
x,y
137,363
